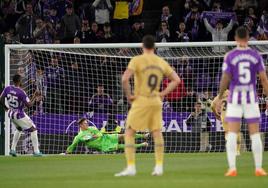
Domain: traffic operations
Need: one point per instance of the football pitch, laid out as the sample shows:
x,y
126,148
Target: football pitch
x,y
182,170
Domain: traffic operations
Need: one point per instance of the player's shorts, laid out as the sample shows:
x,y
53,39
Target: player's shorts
x,y
250,112
109,142
141,118
24,123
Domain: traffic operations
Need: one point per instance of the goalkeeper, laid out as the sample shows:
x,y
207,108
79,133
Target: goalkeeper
x,y
93,138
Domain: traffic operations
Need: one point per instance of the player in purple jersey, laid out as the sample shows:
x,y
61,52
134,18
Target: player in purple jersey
x,y
17,99
241,67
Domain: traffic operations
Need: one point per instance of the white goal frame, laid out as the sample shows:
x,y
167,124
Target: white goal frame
x,y
8,49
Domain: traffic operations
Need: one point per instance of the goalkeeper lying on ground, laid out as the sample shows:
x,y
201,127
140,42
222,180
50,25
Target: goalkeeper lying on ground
x,y
95,139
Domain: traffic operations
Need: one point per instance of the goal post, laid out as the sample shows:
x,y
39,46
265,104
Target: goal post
x,y
72,77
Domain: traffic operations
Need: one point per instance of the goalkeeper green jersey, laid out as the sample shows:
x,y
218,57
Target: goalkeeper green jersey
x,y
93,138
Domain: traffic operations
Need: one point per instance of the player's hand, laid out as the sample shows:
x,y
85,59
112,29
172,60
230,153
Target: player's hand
x,y
162,96
131,98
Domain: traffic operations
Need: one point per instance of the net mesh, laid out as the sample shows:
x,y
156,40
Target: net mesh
x,y
86,82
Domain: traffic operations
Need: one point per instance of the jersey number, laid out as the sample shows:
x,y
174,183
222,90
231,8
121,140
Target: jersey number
x,y
12,101
152,82
224,107
244,72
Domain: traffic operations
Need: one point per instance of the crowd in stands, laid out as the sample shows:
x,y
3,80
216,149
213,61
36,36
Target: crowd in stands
x,y
111,21
107,21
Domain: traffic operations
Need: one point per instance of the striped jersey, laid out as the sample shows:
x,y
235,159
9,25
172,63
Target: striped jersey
x,y
16,100
243,65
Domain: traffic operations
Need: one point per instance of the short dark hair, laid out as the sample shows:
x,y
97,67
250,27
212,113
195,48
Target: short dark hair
x,y
81,120
242,32
17,78
148,42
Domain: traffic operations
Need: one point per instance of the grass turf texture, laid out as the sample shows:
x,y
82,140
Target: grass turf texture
x,y
200,170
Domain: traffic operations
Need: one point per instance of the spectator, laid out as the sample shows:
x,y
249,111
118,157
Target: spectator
x,y
40,86
186,72
42,8
44,32
70,24
192,21
102,11
200,124
175,98
182,35
167,17
120,18
77,40
53,18
55,81
163,34
25,25
249,24
100,102
219,33
95,34
263,26
108,36
137,32
84,33
8,13
244,4
20,6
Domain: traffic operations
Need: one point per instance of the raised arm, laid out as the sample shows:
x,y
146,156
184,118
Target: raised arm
x,y
229,26
208,26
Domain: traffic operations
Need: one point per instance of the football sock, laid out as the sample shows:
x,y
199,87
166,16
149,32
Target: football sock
x,y
257,149
231,149
15,140
34,139
130,150
159,150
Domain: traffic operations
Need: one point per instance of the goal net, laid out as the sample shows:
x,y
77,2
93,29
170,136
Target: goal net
x,y
78,81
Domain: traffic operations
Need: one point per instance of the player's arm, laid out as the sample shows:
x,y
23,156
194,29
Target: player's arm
x,y
225,81
75,142
264,81
125,83
214,108
30,102
2,100
175,81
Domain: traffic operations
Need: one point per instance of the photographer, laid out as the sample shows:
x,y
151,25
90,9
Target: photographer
x,y
200,124
43,32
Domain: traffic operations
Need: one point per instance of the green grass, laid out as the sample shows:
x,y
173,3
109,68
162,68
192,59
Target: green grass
x,y
75,171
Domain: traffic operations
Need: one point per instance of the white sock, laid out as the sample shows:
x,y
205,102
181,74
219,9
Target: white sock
x,y
231,148
15,140
34,139
256,146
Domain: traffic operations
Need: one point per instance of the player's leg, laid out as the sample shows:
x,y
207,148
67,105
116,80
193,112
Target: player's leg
x,y
15,140
159,152
143,144
231,147
233,117
27,125
252,117
129,153
257,148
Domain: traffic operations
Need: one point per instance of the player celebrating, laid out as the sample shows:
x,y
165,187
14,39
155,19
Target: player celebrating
x,y
240,69
93,138
221,116
146,110
17,99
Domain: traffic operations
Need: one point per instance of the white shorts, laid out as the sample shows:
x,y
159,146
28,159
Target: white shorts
x,y
23,123
250,112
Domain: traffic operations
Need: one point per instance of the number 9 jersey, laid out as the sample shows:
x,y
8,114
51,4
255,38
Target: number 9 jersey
x,y
146,109
149,70
243,65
